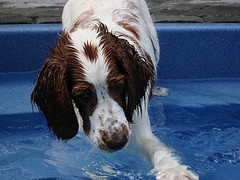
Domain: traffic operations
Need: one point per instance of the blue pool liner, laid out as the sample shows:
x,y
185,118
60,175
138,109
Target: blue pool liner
x,y
187,50
199,63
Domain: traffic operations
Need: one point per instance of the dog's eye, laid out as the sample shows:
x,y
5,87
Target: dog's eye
x,y
83,96
117,87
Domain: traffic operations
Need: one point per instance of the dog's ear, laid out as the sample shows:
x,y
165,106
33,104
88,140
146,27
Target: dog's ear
x,y
138,69
52,97
139,74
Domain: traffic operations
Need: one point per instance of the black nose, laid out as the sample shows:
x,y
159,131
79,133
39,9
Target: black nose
x,y
117,145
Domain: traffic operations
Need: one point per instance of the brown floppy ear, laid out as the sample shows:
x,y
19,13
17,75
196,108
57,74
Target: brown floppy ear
x,y
138,71
139,74
52,97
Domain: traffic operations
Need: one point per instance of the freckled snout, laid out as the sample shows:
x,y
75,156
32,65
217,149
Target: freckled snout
x,y
110,129
115,137
117,145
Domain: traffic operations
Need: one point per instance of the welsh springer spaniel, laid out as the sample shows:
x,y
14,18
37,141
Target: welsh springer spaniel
x,y
100,77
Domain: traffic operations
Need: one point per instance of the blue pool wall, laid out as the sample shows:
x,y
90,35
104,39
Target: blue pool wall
x,y
188,51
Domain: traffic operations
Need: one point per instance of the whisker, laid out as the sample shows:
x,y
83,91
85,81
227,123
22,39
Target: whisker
x,y
90,152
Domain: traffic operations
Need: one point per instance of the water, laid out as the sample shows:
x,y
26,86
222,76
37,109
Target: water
x,y
29,151
200,120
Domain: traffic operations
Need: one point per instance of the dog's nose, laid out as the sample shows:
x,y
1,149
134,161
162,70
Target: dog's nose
x,y
117,145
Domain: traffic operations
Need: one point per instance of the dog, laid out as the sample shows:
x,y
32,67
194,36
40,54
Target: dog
x,y
100,77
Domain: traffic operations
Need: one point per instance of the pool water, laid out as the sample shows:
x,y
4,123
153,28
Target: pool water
x,y
199,120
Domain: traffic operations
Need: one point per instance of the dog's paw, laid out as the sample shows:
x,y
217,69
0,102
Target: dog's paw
x,y
177,173
160,91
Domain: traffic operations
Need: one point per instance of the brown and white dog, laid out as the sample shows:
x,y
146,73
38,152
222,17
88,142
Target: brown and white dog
x,y
100,77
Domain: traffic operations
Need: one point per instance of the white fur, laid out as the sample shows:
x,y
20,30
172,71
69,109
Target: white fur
x,y
112,119
165,165
105,12
93,69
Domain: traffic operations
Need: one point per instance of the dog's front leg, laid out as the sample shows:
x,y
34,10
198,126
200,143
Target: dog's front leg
x,y
165,164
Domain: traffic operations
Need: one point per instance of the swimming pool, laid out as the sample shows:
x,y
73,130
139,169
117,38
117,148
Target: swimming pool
x,y
200,119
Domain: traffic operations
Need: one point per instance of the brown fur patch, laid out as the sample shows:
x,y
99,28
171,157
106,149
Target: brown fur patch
x,y
90,51
125,130
124,60
104,136
85,97
85,20
61,80
129,28
51,90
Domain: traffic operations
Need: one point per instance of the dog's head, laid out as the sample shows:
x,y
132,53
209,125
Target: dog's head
x,y
95,81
